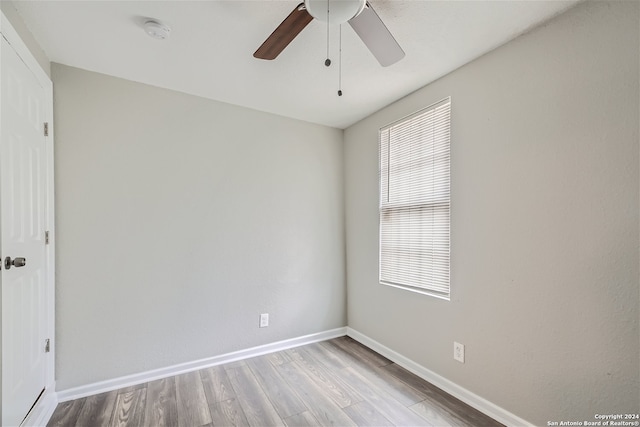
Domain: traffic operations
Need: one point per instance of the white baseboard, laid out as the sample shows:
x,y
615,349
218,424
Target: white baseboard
x,y
494,411
42,410
169,371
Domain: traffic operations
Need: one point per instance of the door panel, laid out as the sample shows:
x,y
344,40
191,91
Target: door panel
x,y
22,216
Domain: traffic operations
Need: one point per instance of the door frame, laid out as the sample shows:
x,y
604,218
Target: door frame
x,y
46,404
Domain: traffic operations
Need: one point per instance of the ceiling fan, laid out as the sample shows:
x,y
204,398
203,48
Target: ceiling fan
x,y
360,15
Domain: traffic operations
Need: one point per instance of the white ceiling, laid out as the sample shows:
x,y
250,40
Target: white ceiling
x,y
210,50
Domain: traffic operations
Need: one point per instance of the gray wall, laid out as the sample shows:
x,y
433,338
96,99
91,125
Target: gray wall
x,y
545,223
180,220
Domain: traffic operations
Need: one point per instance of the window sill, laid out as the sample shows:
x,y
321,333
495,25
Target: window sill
x,y
446,297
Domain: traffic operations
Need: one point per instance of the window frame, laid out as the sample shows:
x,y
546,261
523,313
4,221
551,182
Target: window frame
x,y
431,207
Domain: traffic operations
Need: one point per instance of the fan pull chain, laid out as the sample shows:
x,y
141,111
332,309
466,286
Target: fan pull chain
x,y
340,64
327,61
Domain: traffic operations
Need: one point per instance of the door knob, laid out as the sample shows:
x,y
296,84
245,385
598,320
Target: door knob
x,y
16,262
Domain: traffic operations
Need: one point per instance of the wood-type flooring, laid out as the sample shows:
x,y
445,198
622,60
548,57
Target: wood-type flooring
x,y
338,382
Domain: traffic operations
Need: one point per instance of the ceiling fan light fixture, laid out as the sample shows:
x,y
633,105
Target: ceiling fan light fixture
x,y
340,11
156,29
358,13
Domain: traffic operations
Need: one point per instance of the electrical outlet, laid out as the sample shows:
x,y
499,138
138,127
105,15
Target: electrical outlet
x,y
458,352
264,320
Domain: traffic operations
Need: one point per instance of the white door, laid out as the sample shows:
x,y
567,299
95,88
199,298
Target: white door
x,y
22,236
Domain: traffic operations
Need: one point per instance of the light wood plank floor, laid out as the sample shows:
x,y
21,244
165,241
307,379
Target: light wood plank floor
x,y
338,382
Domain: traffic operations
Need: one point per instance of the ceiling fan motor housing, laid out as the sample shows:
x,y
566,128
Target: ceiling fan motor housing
x,y
340,11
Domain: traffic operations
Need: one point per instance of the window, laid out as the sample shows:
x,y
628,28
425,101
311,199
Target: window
x,y
415,201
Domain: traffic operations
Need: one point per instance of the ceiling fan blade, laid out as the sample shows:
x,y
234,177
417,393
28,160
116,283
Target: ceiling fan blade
x,y
377,37
284,34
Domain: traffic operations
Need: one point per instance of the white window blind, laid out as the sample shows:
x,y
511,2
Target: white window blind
x,y
415,201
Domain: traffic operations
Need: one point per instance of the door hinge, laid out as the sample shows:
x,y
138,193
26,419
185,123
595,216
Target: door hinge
x,y
47,346
46,128
46,237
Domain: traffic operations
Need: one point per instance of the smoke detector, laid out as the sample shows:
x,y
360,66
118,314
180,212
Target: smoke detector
x,y
157,29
